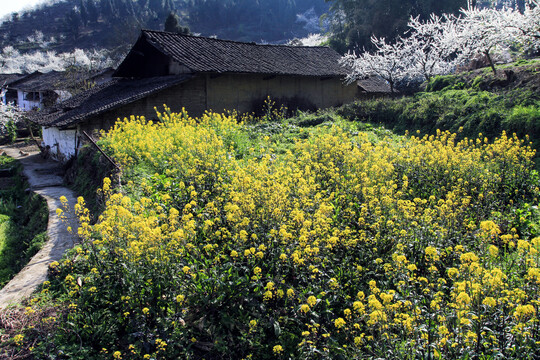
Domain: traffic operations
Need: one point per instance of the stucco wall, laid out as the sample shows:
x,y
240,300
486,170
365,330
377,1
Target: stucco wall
x,y
241,91
227,92
27,105
62,143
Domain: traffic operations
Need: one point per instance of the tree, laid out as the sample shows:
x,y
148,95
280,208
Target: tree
x,y
432,45
73,23
10,116
528,25
85,18
484,30
353,22
156,6
12,61
438,45
107,9
172,24
389,61
93,12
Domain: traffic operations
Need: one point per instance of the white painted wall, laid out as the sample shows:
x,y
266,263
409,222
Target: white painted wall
x,y
63,143
27,105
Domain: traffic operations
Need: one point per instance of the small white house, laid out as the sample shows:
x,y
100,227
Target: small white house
x,y
39,90
63,144
8,95
42,90
29,100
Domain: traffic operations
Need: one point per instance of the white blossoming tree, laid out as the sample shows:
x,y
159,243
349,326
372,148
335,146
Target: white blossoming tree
x,y
13,61
438,45
432,46
482,31
9,116
391,62
531,28
527,24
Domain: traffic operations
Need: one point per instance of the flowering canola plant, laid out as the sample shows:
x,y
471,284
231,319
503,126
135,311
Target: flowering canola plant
x,y
341,244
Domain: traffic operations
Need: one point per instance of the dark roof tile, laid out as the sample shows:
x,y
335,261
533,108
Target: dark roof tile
x,y
210,55
374,84
101,98
38,81
53,80
8,79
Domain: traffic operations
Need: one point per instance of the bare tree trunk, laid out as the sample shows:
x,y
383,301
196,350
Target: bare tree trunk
x,y
29,126
491,62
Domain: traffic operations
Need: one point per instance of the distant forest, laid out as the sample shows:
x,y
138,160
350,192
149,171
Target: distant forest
x,y
63,25
116,23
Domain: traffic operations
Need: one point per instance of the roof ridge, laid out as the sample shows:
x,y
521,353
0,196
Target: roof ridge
x,y
232,41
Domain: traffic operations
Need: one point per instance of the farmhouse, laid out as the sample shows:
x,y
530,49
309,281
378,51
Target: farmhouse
x,y
8,95
198,74
41,90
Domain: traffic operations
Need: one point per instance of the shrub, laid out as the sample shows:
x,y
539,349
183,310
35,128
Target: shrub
x,y
24,223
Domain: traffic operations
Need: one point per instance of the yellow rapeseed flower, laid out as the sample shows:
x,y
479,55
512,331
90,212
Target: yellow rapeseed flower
x,y
278,349
339,323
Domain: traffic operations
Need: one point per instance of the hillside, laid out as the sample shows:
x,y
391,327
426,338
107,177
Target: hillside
x,y
111,24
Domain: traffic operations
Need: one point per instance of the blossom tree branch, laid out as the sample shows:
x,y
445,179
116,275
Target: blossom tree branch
x,y
389,61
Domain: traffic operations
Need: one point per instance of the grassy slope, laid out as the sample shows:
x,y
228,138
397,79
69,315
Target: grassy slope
x,y
468,103
23,224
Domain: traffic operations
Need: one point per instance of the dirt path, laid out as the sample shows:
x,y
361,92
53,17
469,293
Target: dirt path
x,y
44,179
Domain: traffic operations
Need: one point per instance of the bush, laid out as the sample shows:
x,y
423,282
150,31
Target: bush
x,y
24,224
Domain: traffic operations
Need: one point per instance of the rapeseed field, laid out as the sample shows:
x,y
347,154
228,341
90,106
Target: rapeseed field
x,y
219,242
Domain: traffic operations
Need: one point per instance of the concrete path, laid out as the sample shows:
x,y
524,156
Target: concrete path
x,y
44,179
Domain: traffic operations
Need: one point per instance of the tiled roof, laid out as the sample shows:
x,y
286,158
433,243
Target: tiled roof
x,y
374,84
7,79
101,98
53,80
38,81
210,55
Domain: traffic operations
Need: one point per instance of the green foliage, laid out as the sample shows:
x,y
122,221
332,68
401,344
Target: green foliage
x,y
86,173
7,162
11,130
23,218
115,24
476,82
444,82
524,120
266,19
172,24
355,21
